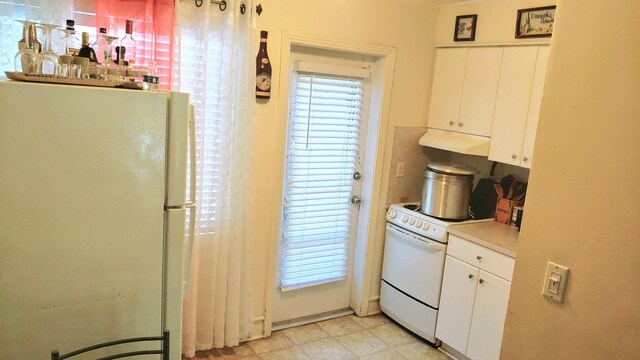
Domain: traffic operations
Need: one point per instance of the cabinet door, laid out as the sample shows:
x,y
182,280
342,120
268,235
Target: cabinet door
x,y
456,303
479,91
446,91
512,104
489,313
534,106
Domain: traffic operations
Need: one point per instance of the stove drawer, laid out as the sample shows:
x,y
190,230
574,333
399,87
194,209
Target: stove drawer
x,y
418,318
413,264
481,257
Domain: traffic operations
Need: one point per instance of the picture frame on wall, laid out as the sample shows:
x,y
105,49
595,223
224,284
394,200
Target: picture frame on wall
x,y
535,22
465,28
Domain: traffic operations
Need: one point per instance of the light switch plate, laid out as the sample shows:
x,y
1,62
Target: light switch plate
x,y
400,169
555,281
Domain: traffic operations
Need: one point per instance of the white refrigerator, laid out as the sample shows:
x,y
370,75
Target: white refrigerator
x,y
93,242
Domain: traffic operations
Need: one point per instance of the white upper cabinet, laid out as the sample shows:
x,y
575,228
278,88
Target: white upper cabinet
x,y
479,91
517,104
448,78
534,107
465,82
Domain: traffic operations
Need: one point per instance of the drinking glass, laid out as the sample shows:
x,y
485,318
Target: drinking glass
x,y
48,59
26,59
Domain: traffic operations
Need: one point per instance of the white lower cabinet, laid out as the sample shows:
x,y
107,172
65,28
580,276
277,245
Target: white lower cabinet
x,y
473,303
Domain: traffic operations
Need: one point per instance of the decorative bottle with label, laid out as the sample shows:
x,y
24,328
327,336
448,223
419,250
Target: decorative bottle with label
x,y
85,50
263,69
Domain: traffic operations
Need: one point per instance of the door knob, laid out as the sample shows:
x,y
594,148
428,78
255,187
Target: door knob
x,y
355,200
357,176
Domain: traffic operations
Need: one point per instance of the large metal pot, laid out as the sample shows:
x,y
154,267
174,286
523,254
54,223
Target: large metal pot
x,y
446,191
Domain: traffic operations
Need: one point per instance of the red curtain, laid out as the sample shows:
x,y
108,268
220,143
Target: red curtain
x,y
152,29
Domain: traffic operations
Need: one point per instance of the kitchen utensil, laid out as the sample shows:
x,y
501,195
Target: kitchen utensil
x,y
519,191
499,190
506,182
446,192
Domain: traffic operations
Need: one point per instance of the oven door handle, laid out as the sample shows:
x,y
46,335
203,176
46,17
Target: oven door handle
x,y
415,240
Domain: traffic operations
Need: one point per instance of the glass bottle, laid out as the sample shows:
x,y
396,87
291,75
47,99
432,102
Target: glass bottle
x,y
72,43
101,46
128,43
85,50
151,81
33,40
263,69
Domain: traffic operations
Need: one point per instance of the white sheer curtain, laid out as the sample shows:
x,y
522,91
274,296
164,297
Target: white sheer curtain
x,y
214,62
43,11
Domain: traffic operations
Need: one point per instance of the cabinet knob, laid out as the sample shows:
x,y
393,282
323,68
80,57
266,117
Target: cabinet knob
x,y
460,124
470,276
479,257
451,123
525,159
481,281
514,156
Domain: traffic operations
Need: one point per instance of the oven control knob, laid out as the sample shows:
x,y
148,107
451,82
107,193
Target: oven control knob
x,y
425,226
412,221
418,223
405,219
393,214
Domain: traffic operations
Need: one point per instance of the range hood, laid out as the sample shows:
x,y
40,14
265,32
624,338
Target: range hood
x,y
456,142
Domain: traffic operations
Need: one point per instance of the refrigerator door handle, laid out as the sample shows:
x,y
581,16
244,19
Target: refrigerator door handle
x,y
191,203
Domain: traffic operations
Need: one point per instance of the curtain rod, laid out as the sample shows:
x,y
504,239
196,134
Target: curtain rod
x,y
222,5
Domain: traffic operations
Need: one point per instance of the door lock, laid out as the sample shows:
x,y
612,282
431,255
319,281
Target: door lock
x,y
355,200
357,176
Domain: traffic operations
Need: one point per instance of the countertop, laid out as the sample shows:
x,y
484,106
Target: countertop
x,y
491,234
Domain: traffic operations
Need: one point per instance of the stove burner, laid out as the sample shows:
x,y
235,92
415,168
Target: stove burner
x,y
413,207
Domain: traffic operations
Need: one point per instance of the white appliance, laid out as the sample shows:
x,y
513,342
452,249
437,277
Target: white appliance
x,y
92,216
412,269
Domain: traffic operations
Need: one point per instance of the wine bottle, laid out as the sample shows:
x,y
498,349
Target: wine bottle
x,y
263,69
128,43
85,50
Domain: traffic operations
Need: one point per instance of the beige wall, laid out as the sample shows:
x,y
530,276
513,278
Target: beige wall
x,y
585,186
407,26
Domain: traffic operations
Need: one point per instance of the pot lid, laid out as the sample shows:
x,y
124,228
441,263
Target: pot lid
x,y
452,169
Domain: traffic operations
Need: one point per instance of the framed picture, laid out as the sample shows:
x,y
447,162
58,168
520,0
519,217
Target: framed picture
x,y
465,28
535,22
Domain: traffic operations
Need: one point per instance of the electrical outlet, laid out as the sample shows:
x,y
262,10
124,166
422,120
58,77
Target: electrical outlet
x,y
555,281
400,169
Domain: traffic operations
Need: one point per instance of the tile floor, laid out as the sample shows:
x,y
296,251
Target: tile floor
x,y
350,337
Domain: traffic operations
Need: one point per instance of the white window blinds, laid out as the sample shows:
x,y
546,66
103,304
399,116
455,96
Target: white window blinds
x,y
323,149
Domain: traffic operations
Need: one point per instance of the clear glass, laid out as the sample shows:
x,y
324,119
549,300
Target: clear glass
x,y
26,59
47,60
72,43
108,63
101,46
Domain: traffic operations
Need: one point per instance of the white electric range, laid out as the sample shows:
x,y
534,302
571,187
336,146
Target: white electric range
x,y
414,254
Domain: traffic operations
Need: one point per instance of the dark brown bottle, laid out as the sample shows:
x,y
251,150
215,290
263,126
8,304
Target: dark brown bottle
x,y
85,50
263,69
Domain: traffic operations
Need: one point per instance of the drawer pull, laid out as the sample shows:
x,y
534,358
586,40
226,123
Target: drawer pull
x,y
481,281
470,276
479,257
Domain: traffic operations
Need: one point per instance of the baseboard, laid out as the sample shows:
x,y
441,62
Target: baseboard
x,y
374,305
311,319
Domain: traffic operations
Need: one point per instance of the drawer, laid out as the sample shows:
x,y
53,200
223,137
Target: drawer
x,y
479,256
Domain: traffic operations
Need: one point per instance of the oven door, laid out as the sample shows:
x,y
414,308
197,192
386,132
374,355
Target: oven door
x,y
413,264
